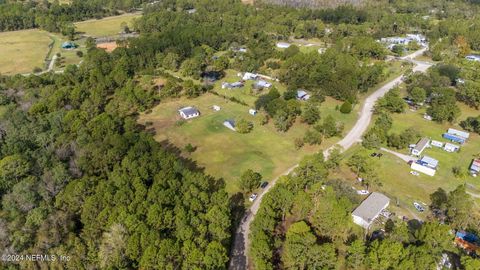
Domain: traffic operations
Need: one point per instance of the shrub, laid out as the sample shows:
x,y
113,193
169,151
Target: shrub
x,y
346,107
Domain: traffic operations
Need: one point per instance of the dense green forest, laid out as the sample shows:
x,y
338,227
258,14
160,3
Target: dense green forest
x,y
55,17
80,177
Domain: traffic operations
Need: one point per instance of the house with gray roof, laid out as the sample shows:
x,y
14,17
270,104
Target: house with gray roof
x,y
420,146
370,209
188,112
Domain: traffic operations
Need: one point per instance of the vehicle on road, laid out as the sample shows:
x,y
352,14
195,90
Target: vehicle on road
x,y
264,184
419,207
414,173
253,197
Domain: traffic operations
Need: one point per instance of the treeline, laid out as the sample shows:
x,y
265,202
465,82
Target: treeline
x,y
305,222
54,17
79,176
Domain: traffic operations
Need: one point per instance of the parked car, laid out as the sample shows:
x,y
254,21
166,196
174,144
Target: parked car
x,y
363,192
264,184
414,173
253,197
419,207
373,154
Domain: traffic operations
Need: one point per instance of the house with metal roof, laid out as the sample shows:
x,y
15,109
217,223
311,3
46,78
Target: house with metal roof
x,y
420,146
230,124
475,167
457,132
302,95
188,112
262,84
370,209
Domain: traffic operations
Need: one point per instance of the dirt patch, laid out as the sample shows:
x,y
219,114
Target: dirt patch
x,y
248,2
108,46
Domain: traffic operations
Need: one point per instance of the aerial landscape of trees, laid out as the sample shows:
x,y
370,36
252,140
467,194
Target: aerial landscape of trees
x,y
80,176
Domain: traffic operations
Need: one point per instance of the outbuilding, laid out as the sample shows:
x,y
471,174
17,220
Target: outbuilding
x,y
249,76
252,111
188,112
475,167
262,84
230,124
302,95
216,108
370,209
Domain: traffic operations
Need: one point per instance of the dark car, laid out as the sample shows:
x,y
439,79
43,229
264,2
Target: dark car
x,y
373,154
264,184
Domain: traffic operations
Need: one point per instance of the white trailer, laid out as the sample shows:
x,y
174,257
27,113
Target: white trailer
x,y
423,169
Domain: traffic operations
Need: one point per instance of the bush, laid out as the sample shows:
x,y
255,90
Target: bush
x,y
299,143
180,123
243,126
80,54
37,70
346,107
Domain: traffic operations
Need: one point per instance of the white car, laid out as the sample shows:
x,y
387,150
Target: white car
x,y
363,192
253,197
414,173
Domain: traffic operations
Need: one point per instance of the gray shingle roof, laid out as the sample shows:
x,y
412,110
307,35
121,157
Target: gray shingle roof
x,y
189,110
371,206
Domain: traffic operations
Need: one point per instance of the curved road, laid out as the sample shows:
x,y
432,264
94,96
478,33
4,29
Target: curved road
x,y
238,256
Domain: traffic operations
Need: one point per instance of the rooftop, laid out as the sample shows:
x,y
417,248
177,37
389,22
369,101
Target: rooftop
x,y
422,144
430,161
188,110
371,207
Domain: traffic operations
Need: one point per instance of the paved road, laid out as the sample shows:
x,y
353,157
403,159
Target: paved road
x,y
238,257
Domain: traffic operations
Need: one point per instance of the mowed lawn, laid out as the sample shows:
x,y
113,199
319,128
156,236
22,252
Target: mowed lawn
x,y
223,152
109,26
21,51
404,188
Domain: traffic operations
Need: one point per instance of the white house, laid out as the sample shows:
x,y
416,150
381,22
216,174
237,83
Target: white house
x,y
420,146
370,209
283,45
188,112
252,111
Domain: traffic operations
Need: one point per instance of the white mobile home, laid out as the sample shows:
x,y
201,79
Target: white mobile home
x,y
420,146
370,209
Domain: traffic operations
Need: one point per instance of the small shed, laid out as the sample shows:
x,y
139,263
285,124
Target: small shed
x,y
216,108
249,76
252,111
262,84
302,95
230,124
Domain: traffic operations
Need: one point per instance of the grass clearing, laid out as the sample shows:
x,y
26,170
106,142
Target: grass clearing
x,y
109,26
21,51
225,153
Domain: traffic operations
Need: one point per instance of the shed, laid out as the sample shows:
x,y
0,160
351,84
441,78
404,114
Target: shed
x,y
473,57
449,147
230,124
420,146
188,112
216,108
252,111
370,209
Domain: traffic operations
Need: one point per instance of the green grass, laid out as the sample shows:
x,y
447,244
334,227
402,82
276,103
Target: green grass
x,y
398,183
21,51
225,153
109,26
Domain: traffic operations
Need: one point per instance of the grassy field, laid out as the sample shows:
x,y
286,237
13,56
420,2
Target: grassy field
x,y
225,153
21,51
109,26
404,188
